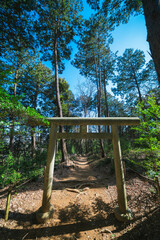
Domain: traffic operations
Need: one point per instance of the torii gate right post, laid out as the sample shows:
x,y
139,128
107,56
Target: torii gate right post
x,y
122,212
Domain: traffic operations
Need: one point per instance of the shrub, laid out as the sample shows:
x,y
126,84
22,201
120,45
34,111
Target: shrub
x,y
149,134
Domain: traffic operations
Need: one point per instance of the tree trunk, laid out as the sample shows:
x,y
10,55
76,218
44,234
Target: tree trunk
x,y
33,135
15,85
152,17
33,141
138,88
106,112
11,143
59,106
98,80
100,91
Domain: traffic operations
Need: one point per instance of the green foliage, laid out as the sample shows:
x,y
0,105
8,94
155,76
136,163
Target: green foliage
x,y
35,174
8,173
49,96
73,149
15,170
58,157
5,71
93,47
119,11
96,146
10,104
133,75
64,19
34,79
149,133
94,4
153,174
16,24
126,142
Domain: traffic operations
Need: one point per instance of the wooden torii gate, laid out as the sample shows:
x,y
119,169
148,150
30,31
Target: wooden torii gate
x,y
122,212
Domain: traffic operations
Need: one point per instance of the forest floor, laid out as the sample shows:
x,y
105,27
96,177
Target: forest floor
x,y
84,196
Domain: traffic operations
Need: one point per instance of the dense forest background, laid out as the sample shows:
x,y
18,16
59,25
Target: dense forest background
x,y
37,31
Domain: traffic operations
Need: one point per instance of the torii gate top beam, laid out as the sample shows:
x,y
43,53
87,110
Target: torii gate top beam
x,y
119,121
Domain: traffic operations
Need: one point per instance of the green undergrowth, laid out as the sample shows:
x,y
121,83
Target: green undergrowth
x,y
142,161
15,170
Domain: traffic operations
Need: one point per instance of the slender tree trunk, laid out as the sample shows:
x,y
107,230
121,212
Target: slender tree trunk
x,y
98,104
15,84
152,17
138,88
139,92
100,91
33,135
106,112
33,141
106,101
137,84
11,143
98,79
59,106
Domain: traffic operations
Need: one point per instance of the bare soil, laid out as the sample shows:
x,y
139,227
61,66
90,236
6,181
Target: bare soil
x,y
84,196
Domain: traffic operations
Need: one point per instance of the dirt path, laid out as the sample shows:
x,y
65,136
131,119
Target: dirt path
x,y
81,170
84,197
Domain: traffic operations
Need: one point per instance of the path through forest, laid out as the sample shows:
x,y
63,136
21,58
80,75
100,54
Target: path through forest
x,y
84,196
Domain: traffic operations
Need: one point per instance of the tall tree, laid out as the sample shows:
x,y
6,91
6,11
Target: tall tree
x,y
16,60
57,23
132,77
32,82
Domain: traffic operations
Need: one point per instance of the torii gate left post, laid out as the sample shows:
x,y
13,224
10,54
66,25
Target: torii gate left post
x,y
122,212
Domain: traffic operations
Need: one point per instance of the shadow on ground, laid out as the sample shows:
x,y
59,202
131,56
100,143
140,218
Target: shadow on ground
x,y
73,220
76,219
146,229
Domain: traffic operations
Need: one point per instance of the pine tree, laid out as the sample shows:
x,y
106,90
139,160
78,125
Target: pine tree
x,y
33,80
15,60
57,25
132,76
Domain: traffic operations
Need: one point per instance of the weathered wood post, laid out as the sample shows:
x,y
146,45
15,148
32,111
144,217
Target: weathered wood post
x,y
122,212
46,210
83,129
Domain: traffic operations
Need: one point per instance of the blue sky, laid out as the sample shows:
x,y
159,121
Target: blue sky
x,y
130,35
